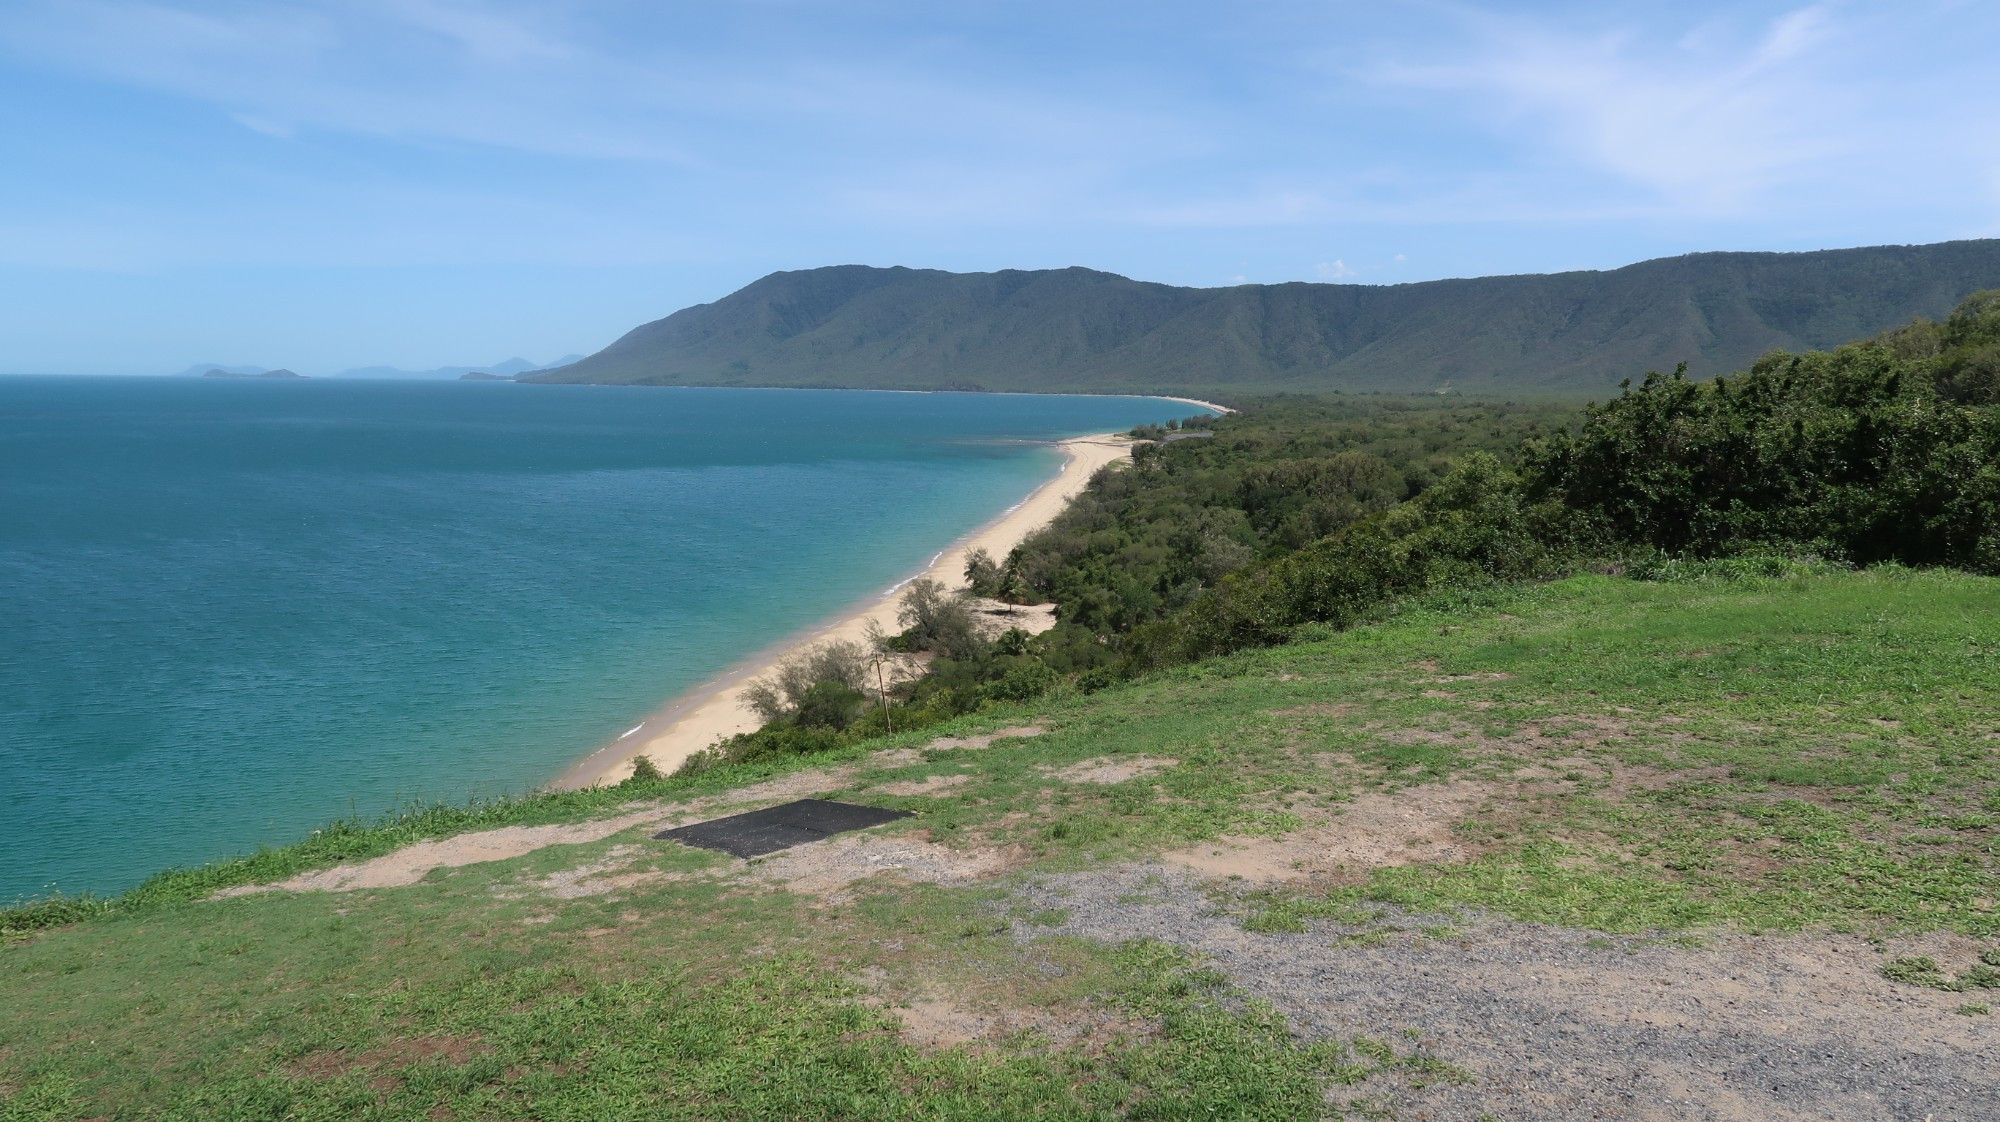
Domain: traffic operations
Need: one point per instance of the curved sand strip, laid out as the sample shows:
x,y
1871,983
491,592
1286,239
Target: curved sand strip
x,y
716,710
1209,405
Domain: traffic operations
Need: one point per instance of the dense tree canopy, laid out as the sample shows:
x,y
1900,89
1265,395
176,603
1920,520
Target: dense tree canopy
x,y
1307,512
1887,449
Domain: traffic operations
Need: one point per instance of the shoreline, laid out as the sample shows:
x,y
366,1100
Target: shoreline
x,y
1218,410
698,717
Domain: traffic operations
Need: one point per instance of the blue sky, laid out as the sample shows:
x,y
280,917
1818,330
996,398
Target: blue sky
x,y
420,182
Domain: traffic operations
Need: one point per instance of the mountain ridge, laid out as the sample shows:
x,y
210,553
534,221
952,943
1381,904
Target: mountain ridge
x,y
1079,329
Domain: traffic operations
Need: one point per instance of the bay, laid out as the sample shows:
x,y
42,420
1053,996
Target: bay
x,y
231,611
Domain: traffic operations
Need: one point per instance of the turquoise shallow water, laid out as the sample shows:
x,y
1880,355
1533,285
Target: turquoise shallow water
x,y
232,610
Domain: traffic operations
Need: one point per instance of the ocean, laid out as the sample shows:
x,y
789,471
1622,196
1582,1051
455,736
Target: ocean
x,y
233,610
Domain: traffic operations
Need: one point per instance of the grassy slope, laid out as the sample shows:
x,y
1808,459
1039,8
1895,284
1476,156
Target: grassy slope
x,y
1756,753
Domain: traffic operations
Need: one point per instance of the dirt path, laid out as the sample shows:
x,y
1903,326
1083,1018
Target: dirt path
x,y
1557,1024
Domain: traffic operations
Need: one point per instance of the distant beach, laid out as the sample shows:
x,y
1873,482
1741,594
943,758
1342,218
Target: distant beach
x,y
715,709
1212,407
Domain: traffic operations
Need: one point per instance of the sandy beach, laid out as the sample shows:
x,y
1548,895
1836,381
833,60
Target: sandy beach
x,y
1212,407
714,710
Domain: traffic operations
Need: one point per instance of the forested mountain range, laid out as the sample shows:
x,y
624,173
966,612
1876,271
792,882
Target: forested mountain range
x,y
1079,329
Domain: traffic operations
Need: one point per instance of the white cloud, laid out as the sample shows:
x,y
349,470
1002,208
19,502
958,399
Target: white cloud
x,y
258,124
414,70
488,34
1710,123
1334,270
790,126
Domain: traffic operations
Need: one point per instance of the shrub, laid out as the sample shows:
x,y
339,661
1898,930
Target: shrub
x,y
829,705
983,575
1473,528
1023,682
936,619
1883,450
779,696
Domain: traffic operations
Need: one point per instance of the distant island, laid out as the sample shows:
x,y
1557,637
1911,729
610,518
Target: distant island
x,y
504,370
1080,330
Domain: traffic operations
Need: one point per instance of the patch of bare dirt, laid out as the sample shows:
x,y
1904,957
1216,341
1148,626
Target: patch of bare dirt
x,y
1110,769
1374,831
995,617
1316,709
971,1021
1436,728
940,1023
388,1058
930,1023
599,878
412,863
823,869
947,743
985,740
930,785
797,785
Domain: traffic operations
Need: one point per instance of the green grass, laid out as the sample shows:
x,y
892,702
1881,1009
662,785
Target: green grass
x,y
699,1002
1671,758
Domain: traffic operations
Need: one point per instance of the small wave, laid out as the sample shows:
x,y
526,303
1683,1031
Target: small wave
x,y
630,731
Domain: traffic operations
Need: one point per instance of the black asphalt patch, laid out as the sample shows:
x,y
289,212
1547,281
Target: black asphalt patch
x,y
780,827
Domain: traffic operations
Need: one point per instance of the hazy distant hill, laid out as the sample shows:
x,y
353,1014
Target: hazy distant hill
x,y
225,372
1078,329
509,368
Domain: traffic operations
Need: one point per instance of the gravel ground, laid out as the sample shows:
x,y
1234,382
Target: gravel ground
x,y
1554,1023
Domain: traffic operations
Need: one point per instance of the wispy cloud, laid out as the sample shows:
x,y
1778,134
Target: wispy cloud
x,y
258,124
485,32
906,119
1711,120
422,70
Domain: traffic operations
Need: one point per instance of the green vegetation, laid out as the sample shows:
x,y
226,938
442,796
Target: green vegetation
x,y
1606,678
1078,330
1887,449
1922,970
1721,750
1142,543
1320,513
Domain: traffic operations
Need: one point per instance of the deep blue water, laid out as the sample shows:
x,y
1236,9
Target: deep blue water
x,y
230,611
